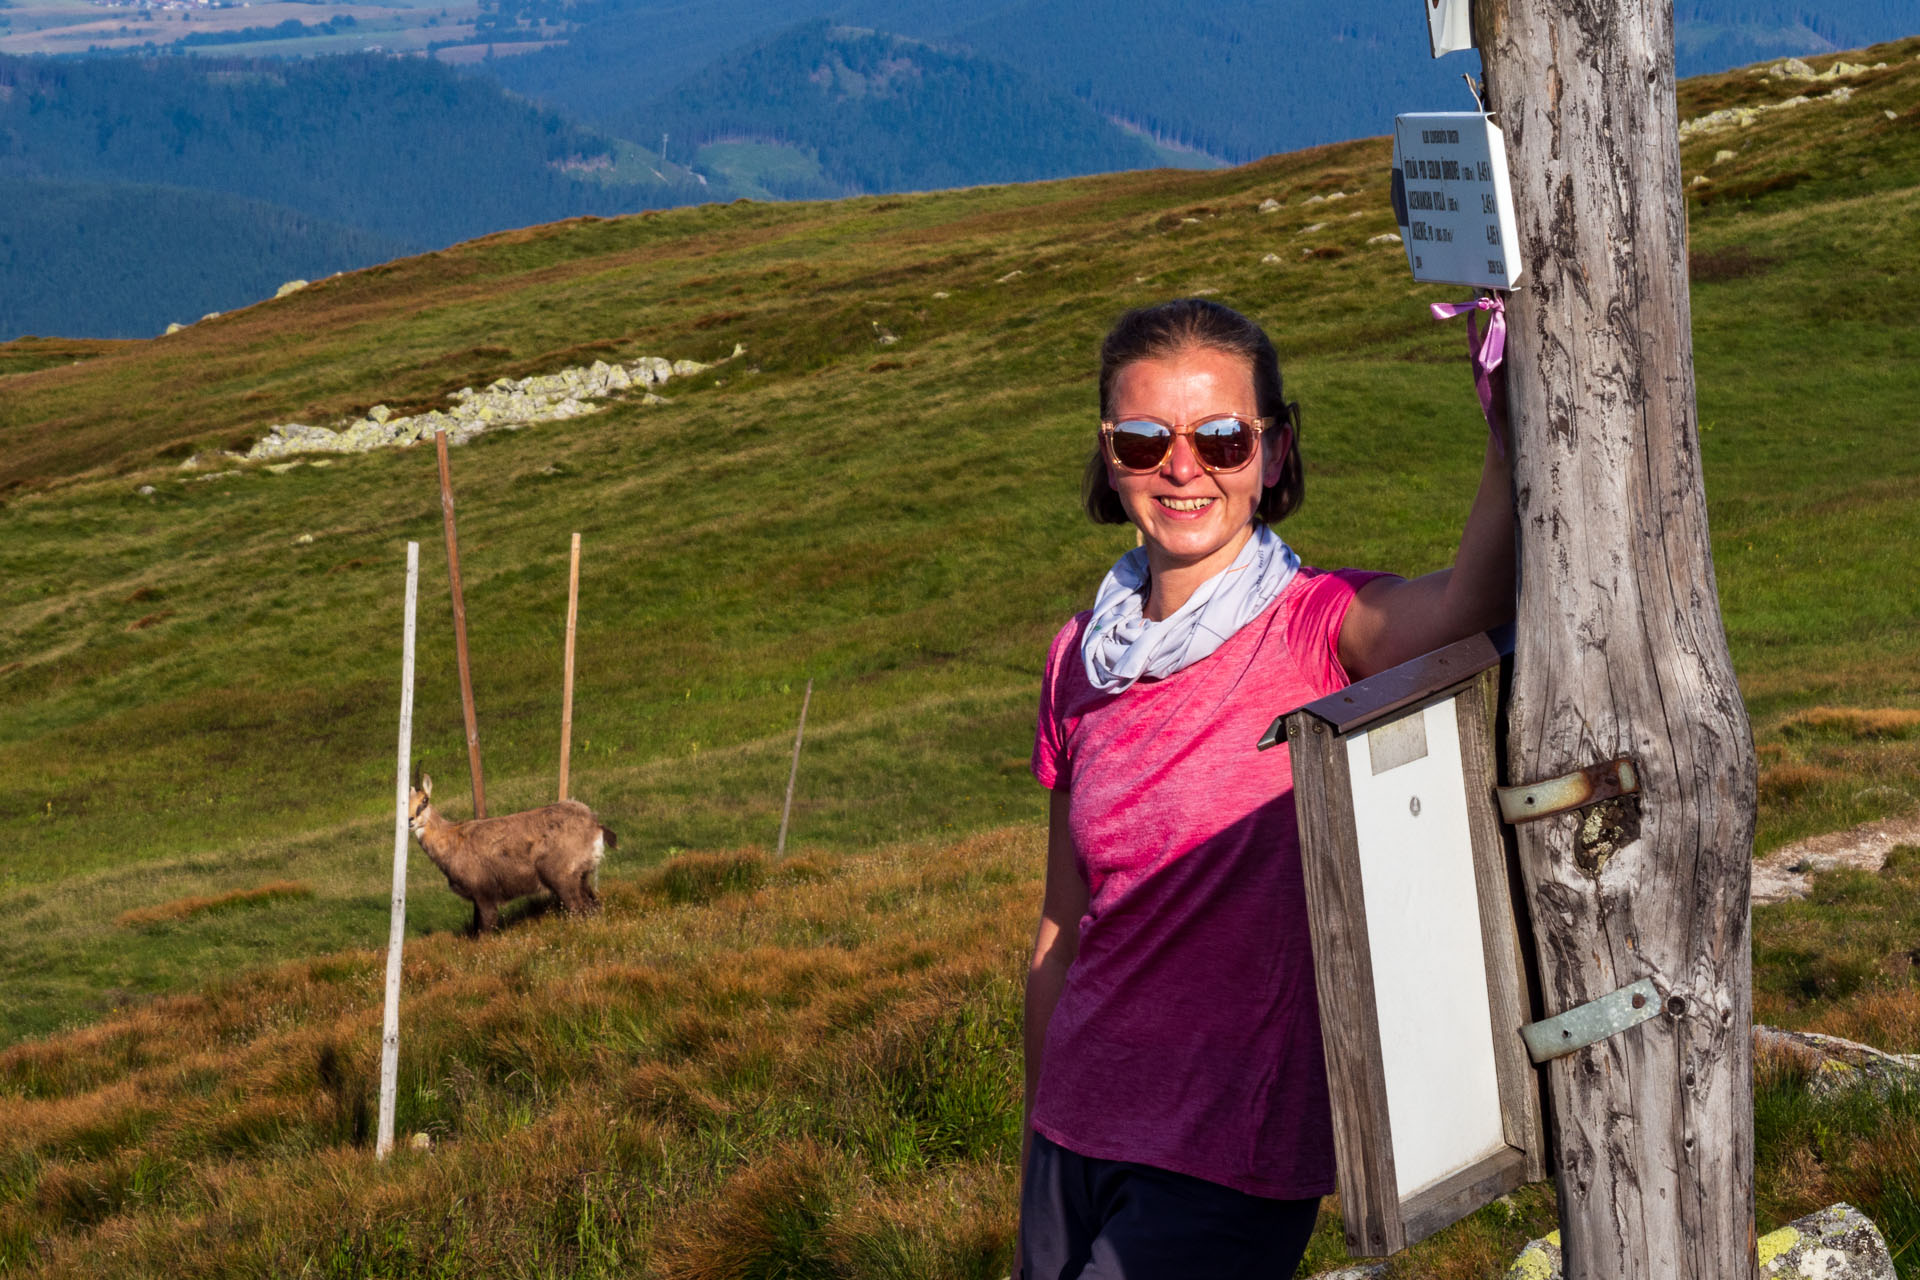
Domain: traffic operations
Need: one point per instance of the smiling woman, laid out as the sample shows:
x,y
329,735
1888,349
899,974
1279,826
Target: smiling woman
x,y
1176,1095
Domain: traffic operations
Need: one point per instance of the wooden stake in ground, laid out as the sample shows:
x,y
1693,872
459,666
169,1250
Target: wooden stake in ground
x,y
460,627
1621,650
397,923
786,810
566,695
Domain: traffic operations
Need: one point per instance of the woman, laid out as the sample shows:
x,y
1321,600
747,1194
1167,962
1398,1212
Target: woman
x,y
1177,1108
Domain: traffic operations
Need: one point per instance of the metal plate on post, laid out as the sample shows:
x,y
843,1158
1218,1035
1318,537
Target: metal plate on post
x,y
1453,200
1449,25
1592,1022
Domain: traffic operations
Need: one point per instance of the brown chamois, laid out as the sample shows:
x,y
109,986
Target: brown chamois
x,y
489,861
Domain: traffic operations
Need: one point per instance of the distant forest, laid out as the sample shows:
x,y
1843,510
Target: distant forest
x,y
236,174
402,147
123,260
230,174
881,113
1236,78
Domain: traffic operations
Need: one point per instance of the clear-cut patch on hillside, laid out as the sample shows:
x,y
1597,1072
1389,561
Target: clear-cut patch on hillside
x,y
505,403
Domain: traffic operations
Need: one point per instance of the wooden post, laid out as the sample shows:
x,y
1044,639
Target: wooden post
x,y
397,921
1621,650
786,810
566,695
460,627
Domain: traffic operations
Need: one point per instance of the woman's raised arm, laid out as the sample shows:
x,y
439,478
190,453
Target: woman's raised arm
x,y
1393,620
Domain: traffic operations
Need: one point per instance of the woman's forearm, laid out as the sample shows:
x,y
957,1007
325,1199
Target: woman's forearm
x,y
1393,621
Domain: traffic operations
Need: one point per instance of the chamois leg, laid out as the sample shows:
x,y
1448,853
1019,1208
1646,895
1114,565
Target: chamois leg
x,y
486,917
589,894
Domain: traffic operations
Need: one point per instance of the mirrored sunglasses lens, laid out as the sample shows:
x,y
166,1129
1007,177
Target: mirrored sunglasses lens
x,y
1139,446
1223,443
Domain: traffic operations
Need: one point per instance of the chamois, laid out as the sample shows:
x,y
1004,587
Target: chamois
x,y
489,861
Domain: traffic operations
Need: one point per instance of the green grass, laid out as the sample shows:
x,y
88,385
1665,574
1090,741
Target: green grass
x,y
196,702
758,169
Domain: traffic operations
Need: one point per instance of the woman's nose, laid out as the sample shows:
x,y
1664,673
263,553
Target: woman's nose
x,y
1181,464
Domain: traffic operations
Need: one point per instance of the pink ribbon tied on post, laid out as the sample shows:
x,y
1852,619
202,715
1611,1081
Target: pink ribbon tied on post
x,y
1487,353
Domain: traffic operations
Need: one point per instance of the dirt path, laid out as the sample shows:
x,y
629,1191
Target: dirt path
x,y
1782,874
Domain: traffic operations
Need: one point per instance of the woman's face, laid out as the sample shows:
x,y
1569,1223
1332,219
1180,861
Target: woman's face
x,y
1188,517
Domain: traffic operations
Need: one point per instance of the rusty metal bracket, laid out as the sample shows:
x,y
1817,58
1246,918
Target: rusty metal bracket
x,y
1592,1022
1576,790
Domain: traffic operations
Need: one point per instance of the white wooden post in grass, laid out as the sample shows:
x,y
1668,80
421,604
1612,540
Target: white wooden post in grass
x,y
786,810
397,925
566,696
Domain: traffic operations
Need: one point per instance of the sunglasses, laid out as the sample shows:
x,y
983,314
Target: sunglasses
x,y
1224,442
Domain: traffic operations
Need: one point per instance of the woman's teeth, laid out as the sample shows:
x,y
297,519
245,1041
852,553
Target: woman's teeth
x,y
1186,504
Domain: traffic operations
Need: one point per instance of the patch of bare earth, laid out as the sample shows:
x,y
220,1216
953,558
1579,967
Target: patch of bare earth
x,y
1783,874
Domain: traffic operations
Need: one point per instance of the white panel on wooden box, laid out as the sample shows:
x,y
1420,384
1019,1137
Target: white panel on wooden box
x,y
1429,966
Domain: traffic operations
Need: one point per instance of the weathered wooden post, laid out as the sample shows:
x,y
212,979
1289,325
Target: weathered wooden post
x,y
460,626
1621,651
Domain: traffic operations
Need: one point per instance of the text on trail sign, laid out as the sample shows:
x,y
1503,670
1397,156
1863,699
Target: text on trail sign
x,y
1453,200
1449,25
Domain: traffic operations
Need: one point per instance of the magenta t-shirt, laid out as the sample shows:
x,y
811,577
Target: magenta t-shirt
x,y
1188,1034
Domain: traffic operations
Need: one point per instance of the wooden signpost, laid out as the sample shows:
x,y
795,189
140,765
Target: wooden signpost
x,y
1628,745
1416,946
1621,651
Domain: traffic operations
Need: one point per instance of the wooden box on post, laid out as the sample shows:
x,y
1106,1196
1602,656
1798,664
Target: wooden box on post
x,y
1417,953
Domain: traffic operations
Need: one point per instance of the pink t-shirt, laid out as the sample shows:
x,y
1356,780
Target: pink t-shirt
x,y
1188,1034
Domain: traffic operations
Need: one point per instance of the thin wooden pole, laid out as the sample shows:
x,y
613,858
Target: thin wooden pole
x,y
786,810
397,923
460,627
566,697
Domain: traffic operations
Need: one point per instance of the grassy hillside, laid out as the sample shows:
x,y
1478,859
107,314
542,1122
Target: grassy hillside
x,y
744,1070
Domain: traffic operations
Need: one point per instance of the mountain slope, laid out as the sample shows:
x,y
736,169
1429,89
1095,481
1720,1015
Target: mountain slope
x,y
883,113
125,259
400,151
1238,78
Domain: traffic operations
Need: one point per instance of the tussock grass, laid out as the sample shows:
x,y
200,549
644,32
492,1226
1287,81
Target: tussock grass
x,y
778,1081
186,908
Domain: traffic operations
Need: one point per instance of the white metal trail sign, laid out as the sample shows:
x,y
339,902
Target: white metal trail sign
x,y
1453,200
1449,25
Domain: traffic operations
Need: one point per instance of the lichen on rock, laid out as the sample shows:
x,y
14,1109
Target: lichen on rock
x,y
1835,1243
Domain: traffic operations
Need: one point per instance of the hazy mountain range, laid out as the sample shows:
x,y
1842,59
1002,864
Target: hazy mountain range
x,y
148,188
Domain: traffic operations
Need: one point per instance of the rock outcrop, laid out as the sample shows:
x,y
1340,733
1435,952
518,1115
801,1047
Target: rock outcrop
x,y
1836,1243
503,404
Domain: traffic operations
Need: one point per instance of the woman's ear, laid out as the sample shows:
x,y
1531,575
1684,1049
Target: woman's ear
x,y
1275,445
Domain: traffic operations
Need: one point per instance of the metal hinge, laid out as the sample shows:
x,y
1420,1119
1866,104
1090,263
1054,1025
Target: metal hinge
x,y
1576,790
1591,1022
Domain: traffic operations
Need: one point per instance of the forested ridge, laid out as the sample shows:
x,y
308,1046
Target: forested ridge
x,y
1235,78
142,190
346,159
403,147
883,113
122,260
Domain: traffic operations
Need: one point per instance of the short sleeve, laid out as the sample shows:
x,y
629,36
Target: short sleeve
x,y
1050,735
1315,639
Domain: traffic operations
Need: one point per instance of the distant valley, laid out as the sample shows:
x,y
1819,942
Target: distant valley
x,y
180,158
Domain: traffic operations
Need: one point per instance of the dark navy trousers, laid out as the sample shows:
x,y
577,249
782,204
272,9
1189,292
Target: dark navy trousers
x,y
1088,1219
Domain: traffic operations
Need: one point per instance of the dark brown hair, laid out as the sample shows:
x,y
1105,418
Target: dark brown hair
x,y
1166,329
